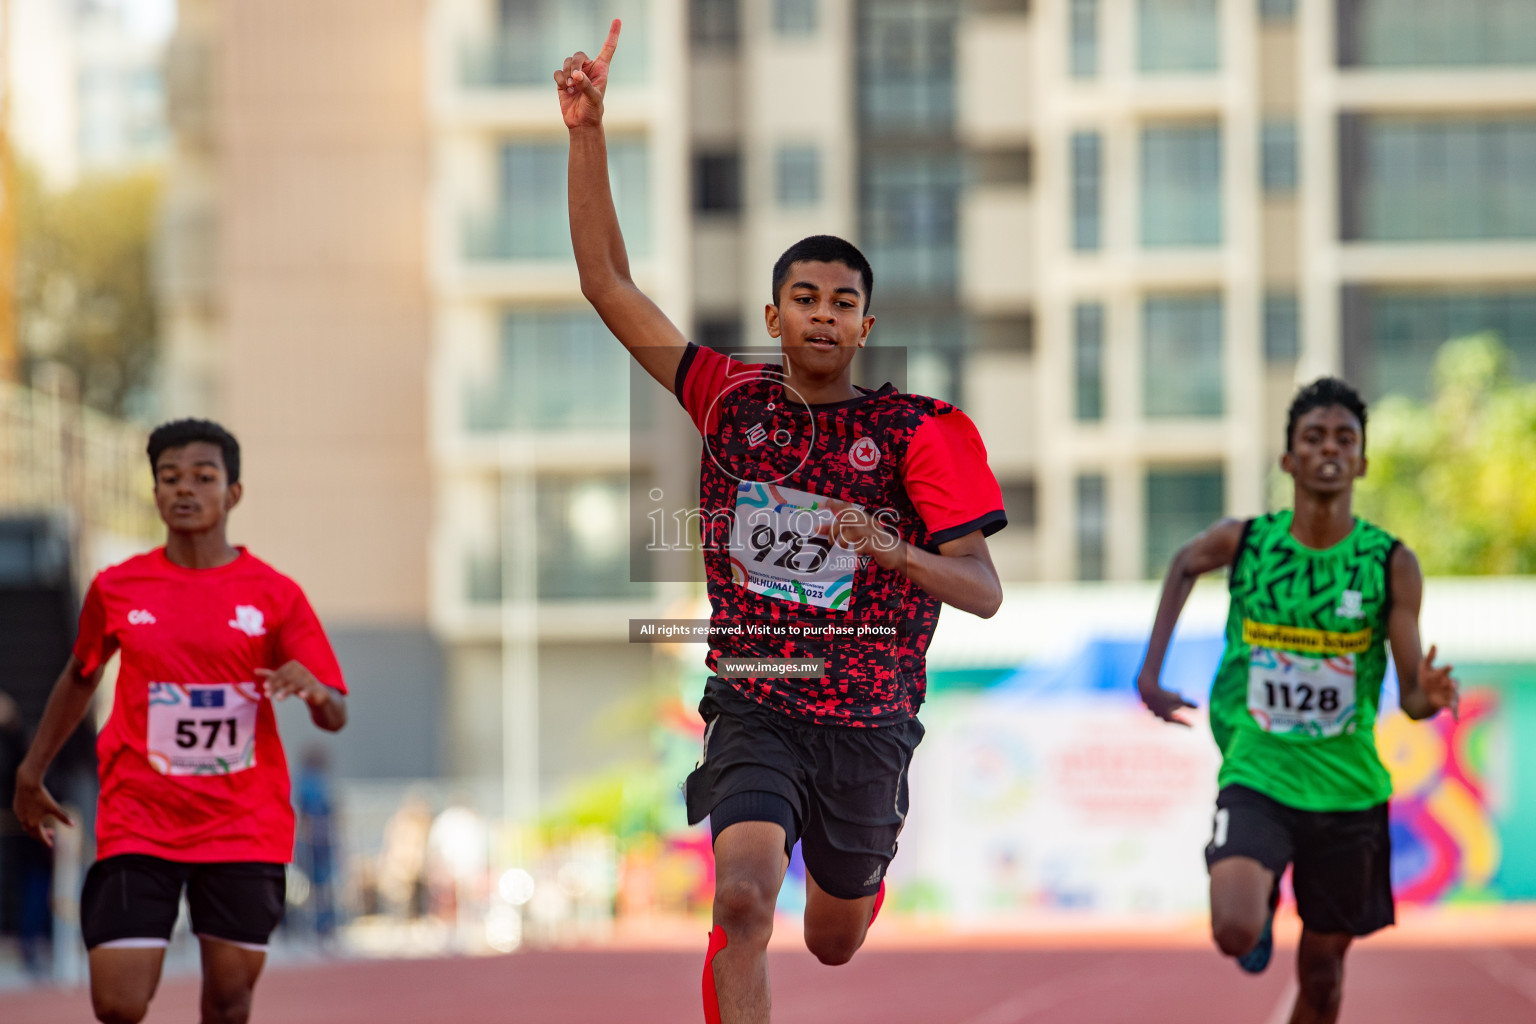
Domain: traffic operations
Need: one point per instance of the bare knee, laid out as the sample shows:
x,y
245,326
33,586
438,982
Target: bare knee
x,y
115,1010
744,908
1235,936
831,948
1321,983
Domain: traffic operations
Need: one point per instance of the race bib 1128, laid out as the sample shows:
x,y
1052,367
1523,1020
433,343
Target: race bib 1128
x,y
779,547
202,728
1301,694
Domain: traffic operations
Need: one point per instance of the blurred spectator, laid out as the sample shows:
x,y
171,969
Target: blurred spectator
x,y
26,867
457,866
402,860
315,849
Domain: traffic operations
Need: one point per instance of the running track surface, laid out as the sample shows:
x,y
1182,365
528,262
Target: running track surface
x,y
1485,985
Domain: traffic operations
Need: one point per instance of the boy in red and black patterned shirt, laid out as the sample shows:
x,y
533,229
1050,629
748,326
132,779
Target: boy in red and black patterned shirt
x,y
835,521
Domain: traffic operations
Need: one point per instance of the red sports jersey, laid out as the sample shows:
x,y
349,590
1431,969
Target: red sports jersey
x,y
769,464
191,765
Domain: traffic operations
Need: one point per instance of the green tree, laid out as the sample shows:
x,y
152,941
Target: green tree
x,y
85,293
1452,476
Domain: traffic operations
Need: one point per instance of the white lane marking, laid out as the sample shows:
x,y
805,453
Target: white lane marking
x,y
1508,970
1282,1011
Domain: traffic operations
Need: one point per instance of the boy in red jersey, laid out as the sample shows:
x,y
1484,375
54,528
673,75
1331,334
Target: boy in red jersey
x,y
835,522
194,784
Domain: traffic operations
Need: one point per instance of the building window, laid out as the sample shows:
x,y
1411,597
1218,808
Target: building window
x,y
1019,502
1277,10
1391,335
1436,33
909,218
794,17
717,183
906,67
1178,35
1084,23
557,371
1182,355
1180,504
1088,348
797,176
1181,185
1092,526
1087,191
1432,179
714,22
532,37
531,222
721,333
1282,327
1277,155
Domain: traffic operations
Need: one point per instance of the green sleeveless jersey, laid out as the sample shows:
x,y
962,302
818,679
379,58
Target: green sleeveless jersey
x,y
1293,706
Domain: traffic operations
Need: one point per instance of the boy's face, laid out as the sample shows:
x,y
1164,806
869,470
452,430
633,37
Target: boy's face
x,y
819,319
192,489
1327,454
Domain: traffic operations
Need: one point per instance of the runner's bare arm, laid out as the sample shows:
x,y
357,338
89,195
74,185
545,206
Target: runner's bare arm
x,y
1211,550
327,706
634,319
67,707
1423,688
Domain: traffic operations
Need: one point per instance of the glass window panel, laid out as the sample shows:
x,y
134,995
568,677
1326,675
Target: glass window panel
x,y
794,17
798,176
909,219
714,22
1084,45
1088,343
1431,179
717,183
1282,329
559,369
1182,355
1436,33
907,66
1178,35
1092,526
1180,504
1277,155
1181,184
1391,347
531,222
533,37
1087,191
1277,10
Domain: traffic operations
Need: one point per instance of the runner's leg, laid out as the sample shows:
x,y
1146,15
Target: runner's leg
x,y
835,928
1319,976
749,869
229,977
1240,888
123,981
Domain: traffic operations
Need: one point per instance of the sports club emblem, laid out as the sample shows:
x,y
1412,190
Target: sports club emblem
x,y
1350,607
248,620
864,455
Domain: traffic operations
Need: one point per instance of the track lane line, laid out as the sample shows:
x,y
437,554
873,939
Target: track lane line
x,y
1019,1008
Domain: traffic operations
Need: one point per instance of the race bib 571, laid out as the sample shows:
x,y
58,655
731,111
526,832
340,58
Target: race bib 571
x,y
780,548
202,728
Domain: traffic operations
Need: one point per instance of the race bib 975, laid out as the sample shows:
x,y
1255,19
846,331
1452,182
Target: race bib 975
x,y
202,728
779,547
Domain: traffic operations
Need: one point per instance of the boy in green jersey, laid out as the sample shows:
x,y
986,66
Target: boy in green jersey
x,y
1317,595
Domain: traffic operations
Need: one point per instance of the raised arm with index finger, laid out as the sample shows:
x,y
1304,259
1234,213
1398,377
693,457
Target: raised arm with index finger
x,y
634,319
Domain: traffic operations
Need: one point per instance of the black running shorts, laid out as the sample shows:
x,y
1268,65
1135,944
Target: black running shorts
x,y
1342,859
132,899
847,786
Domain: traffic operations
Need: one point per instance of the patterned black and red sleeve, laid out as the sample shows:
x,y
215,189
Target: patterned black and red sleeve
x,y
948,479
702,376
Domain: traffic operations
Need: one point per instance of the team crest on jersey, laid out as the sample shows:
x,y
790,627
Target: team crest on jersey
x,y
248,620
1350,605
864,455
141,617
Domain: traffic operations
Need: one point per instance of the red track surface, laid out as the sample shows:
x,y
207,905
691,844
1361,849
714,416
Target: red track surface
x,y
1489,985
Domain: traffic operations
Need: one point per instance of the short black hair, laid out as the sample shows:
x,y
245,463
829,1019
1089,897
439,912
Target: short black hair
x,y
1320,394
180,433
824,249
